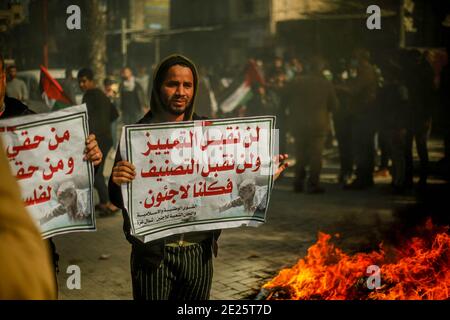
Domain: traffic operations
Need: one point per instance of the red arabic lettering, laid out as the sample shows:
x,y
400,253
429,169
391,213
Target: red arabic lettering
x,y
43,197
27,145
65,137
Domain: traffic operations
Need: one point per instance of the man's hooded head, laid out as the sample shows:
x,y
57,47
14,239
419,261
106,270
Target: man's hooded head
x,y
174,87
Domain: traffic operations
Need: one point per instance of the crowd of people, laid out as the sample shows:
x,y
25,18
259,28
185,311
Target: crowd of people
x,y
375,110
353,100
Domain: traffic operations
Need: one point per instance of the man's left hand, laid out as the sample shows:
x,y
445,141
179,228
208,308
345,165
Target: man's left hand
x,y
281,165
93,152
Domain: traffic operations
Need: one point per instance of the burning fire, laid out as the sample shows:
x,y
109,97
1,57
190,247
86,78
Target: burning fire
x,y
418,269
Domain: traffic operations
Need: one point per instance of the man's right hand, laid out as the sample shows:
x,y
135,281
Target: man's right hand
x,y
123,172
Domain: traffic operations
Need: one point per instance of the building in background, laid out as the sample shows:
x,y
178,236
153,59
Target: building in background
x,y
135,28
225,32
12,14
292,27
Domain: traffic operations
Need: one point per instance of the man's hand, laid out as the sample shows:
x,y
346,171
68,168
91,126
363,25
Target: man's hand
x,y
123,172
281,164
92,152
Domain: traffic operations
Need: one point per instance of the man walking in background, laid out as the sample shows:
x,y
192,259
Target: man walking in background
x,y
132,98
312,99
362,94
99,109
15,88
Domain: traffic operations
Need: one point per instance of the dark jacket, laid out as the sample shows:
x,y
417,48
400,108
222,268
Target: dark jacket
x,y
14,108
132,101
151,253
99,109
312,99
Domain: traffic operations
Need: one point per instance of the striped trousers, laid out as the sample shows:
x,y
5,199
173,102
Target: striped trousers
x,y
185,273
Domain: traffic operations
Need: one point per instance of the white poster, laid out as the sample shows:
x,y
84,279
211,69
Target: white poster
x,y
45,152
198,175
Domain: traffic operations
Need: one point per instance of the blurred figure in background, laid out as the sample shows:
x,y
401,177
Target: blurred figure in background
x,y
206,99
444,93
312,99
133,101
100,112
15,88
9,107
110,90
261,103
70,85
276,82
293,69
362,91
143,78
343,121
420,84
396,120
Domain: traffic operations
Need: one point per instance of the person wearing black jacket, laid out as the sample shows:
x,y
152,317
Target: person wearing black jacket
x,y
150,263
177,267
101,113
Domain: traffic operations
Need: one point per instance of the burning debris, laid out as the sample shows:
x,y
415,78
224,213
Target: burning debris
x,y
417,269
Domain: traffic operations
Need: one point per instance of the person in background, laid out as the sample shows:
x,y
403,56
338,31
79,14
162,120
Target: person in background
x,y
206,100
143,78
100,112
362,91
275,88
393,98
70,85
133,102
312,98
112,94
420,85
444,111
15,88
343,121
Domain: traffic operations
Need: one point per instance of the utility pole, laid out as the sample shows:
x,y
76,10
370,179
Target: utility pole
x,y
157,50
124,42
402,24
97,38
45,33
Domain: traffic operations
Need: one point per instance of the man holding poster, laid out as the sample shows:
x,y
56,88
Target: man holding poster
x,y
47,155
11,108
175,188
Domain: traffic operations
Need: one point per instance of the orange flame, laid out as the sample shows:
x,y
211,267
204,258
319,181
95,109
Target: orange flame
x,y
420,269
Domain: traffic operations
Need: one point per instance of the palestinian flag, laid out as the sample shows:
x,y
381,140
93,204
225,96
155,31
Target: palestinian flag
x,y
52,92
240,92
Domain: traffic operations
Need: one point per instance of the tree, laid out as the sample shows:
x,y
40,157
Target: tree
x,y
96,33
